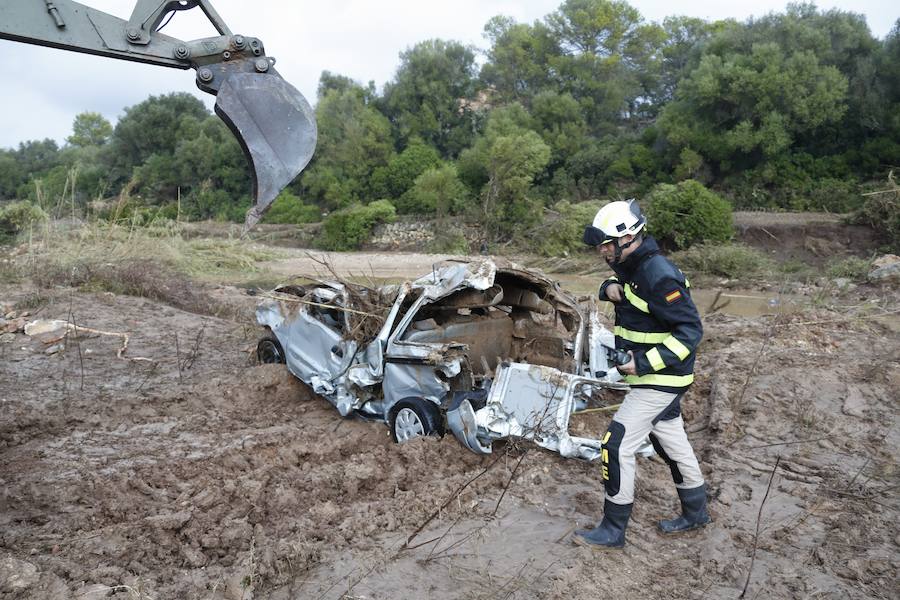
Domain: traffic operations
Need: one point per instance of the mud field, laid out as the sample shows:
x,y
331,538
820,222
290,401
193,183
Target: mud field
x,y
184,470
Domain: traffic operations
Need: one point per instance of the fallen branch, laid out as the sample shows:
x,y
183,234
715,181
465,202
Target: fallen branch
x,y
758,519
452,497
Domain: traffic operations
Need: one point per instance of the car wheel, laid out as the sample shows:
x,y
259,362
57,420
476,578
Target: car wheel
x,y
412,418
269,351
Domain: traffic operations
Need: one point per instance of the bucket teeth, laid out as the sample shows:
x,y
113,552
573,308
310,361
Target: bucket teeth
x,y
275,126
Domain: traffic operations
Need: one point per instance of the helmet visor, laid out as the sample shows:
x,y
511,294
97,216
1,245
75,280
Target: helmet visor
x,y
594,236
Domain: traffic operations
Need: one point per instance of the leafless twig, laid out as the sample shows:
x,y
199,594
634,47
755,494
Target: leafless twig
x,y
756,535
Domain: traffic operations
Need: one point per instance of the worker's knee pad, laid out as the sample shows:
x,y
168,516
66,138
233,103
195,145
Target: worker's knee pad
x,y
609,456
677,477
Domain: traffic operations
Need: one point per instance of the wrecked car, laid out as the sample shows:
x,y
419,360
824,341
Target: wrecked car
x,y
488,350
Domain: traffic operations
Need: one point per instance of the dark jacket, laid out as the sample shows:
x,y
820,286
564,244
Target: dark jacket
x,y
657,319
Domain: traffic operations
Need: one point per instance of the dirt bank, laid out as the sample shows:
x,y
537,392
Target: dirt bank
x,y
193,473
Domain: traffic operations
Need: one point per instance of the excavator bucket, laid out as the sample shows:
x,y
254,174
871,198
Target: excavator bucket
x,y
275,126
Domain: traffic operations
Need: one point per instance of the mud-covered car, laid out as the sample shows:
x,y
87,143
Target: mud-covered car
x,y
487,350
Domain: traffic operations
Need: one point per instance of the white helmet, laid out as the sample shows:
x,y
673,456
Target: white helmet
x,y
613,221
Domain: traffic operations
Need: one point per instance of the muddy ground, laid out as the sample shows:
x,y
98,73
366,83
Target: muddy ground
x,y
184,470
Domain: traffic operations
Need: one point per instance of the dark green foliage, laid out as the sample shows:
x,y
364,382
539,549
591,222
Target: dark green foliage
x,y
687,213
795,110
288,208
393,180
437,191
349,228
565,230
90,129
428,97
152,127
881,212
354,141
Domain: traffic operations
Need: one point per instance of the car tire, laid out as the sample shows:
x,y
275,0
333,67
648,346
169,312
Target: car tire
x,y
269,351
414,417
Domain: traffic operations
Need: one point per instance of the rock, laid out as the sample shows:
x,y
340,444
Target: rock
x,y
887,274
194,557
54,349
45,326
854,404
7,338
17,575
885,260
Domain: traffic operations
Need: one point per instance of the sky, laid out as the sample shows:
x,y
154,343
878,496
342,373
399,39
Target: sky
x,y
44,89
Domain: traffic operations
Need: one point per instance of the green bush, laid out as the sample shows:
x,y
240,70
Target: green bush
x,y
724,260
565,233
288,208
687,213
881,212
349,228
437,191
18,216
850,267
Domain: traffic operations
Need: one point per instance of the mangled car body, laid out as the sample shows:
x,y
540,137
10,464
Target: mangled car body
x,y
487,350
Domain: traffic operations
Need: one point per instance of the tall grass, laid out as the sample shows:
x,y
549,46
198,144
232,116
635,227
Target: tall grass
x,y
152,261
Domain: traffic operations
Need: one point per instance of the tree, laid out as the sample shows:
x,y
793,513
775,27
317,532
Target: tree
x,y
354,141
751,98
393,180
611,58
89,129
148,128
520,61
511,155
429,97
438,191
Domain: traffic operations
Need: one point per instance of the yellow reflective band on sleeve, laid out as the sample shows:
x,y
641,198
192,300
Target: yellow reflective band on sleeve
x,y
635,300
656,361
687,283
666,380
641,337
606,437
677,348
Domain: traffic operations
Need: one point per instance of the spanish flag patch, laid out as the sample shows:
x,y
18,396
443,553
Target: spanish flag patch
x,y
673,296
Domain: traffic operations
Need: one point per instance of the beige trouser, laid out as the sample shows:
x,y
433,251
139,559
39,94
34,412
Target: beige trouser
x,y
646,412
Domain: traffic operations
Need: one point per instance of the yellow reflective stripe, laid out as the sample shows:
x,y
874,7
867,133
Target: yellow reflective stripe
x,y
656,361
613,279
677,348
636,301
687,283
666,380
641,337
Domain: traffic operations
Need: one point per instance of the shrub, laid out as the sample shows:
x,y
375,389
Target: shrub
x,y
687,213
881,212
850,267
436,191
349,228
288,208
448,240
724,260
565,233
18,216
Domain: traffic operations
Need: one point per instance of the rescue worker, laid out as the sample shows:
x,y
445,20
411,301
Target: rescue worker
x,y
658,325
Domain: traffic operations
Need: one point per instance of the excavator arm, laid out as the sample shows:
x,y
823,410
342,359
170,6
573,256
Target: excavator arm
x,y
271,119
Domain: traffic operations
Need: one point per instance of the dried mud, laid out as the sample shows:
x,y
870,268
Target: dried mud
x,y
198,474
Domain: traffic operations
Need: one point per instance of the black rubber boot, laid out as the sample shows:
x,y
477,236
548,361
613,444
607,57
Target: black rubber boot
x,y
693,511
610,533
